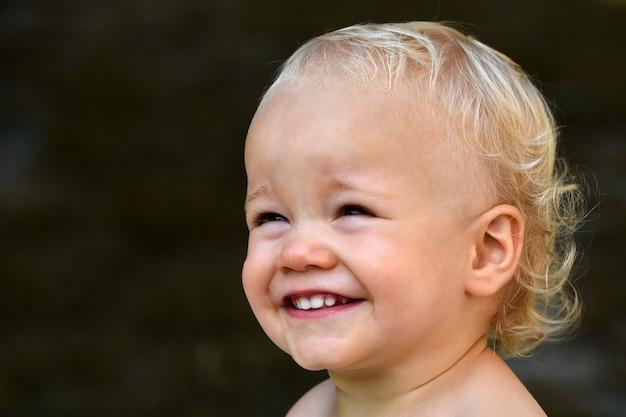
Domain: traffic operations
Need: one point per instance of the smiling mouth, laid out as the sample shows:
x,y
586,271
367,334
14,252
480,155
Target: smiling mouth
x,y
317,301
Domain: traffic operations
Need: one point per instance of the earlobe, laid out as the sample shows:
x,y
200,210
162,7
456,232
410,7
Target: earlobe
x,y
499,236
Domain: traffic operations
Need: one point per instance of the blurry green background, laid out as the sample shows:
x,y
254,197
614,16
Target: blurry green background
x,y
121,189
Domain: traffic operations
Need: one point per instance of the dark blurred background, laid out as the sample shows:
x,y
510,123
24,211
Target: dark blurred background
x,y
121,190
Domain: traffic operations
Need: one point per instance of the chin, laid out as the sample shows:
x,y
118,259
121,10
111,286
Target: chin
x,y
310,367
314,352
317,361
311,361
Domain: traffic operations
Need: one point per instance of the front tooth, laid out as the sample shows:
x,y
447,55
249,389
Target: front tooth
x,y
330,301
317,301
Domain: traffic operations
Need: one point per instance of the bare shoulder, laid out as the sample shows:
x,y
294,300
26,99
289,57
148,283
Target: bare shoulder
x,y
318,402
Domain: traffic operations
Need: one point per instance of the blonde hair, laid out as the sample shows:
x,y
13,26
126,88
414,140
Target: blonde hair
x,y
496,110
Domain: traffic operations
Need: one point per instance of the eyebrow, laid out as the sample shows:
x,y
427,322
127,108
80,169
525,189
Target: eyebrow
x,y
260,193
336,184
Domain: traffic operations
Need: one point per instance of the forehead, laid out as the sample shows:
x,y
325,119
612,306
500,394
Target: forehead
x,y
335,112
317,132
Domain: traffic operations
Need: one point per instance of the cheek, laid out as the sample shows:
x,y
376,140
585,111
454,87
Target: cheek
x,y
257,274
246,279
254,279
421,270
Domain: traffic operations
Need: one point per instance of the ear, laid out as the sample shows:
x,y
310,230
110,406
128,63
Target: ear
x,y
498,240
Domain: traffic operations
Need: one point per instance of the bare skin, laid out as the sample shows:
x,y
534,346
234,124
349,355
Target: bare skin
x,y
350,201
479,384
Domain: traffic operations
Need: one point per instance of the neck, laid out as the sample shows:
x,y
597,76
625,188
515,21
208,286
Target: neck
x,y
396,390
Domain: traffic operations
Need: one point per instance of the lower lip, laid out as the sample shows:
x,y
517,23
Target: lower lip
x,y
322,312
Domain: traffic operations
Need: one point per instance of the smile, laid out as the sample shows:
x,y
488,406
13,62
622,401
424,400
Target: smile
x,y
317,301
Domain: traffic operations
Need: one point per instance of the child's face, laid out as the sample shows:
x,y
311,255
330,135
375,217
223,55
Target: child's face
x,y
356,259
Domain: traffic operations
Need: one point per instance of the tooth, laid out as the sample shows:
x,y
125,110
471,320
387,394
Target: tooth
x,y
304,304
330,301
317,301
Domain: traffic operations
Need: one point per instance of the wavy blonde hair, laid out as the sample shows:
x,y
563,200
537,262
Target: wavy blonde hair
x,y
497,111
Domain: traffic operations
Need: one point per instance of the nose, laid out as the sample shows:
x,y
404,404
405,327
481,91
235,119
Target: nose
x,y
305,249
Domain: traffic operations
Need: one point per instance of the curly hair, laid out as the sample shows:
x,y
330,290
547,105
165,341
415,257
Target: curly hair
x,y
496,110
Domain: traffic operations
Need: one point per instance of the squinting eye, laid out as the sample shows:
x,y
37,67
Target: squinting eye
x,y
354,210
269,217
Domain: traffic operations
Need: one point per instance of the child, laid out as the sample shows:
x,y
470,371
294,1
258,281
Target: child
x,y
406,221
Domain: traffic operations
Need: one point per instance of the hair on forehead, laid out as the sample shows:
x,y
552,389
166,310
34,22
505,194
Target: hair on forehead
x,y
363,53
371,53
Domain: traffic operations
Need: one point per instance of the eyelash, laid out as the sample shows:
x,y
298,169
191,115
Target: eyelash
x,y
347,210
354,210
268,217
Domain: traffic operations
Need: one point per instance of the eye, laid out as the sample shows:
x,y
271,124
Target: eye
x,y
354,210
268,217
